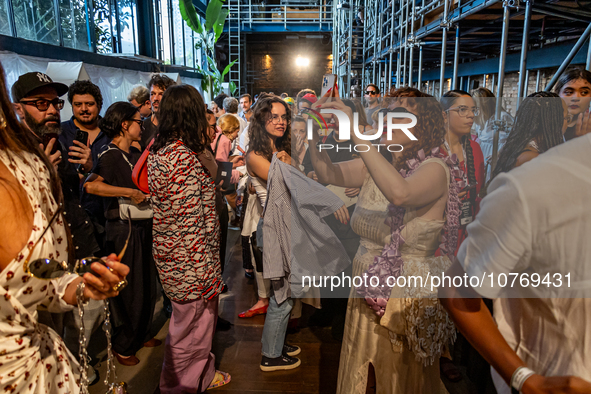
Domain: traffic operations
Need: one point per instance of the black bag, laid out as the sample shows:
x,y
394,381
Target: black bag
x,y
256,253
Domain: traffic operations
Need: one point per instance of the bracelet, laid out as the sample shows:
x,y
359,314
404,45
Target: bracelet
x,y
519,377
80,298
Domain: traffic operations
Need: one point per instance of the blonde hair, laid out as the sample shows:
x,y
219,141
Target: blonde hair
x,y
228,123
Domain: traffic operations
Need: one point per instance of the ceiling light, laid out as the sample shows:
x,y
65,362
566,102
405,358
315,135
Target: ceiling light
x,y
302,61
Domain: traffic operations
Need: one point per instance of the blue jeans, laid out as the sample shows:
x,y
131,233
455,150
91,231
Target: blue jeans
x,y
275,327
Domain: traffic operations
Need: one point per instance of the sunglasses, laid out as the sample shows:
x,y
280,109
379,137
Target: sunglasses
x,y
48,269
370,93
43,105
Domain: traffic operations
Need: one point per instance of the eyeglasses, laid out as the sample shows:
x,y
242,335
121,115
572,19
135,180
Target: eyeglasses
x,y
276,119
370,93
140,123
48,269
43,105
463,110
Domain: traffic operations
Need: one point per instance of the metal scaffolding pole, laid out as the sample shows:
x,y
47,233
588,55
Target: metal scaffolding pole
x,y
390,70
420,77
493,84
454,81
569,58
468,84
392,30
526,85
588,65
443,48
380,79
412,45
405,45
499,126
350,53
538,81
398,59
502,58
524,44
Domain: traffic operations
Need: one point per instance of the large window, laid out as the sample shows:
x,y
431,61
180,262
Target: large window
x,y
36,20
4,21
102,26
74,24
175,40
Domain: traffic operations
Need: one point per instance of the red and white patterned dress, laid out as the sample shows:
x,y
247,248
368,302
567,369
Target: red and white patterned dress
x,y
186,226
33,358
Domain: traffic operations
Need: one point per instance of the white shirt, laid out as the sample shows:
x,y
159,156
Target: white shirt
x,y
537,219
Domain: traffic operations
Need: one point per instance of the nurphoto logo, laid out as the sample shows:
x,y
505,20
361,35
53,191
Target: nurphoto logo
x,y
344,132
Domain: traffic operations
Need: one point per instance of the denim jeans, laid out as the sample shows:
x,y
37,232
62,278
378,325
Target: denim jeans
x,y
276,327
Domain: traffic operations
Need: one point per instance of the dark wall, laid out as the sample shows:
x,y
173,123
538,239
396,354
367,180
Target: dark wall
x,y
272,66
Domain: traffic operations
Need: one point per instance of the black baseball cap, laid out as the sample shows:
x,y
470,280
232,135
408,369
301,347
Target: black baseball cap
x,y
28,82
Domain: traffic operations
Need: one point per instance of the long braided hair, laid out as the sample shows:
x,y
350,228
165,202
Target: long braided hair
x,y
540,118
447,100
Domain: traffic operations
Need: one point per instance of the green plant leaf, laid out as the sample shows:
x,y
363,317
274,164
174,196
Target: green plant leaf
x,y
212,13
227,69
218,26
232,88
214,67
190,16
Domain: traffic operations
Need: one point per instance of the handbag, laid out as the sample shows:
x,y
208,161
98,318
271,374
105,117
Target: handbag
x,y
139,175
226,189
129,210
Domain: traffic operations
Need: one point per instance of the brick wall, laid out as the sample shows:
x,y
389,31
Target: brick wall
x,y
278,73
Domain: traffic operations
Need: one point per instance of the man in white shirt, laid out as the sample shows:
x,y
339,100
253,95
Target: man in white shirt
x,y
534,220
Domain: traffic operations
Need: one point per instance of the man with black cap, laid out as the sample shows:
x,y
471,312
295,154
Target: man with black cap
x,y
37,102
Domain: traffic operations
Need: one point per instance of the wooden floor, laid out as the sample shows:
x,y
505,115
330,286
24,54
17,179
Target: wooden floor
x,y
238,350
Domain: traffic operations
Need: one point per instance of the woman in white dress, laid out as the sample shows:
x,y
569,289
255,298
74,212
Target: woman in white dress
x,y
393,339
33,358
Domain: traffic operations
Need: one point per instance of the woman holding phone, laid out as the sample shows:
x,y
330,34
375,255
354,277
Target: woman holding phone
x,y
384,349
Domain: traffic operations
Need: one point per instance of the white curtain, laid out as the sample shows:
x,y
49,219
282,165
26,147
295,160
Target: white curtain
x,y
115,83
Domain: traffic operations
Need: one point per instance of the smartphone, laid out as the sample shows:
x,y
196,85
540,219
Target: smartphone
x,y
47,138
81,136
328,82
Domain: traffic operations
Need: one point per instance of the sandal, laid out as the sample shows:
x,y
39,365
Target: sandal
x,y
253,312
220,379
449,370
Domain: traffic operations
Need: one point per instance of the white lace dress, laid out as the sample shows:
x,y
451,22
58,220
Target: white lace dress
x,y
33,358
383,342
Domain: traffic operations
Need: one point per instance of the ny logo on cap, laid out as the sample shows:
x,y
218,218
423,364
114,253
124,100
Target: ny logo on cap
x,y
43,78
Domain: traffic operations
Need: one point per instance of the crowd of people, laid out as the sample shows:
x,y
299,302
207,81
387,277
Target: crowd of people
x,y
442,203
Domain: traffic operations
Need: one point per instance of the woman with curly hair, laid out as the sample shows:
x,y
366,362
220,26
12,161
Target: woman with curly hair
x,y
270,133
540,123
391,344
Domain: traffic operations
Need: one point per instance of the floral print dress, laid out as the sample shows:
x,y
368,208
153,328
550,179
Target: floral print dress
x,y
33,358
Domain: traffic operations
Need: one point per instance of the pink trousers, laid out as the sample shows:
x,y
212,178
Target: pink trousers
x,y
188,362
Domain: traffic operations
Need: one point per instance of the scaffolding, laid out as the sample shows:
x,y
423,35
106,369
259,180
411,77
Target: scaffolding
x,y
413,42
428,43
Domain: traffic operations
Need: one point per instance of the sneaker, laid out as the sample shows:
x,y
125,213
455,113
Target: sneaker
x,y
279,364
291,350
